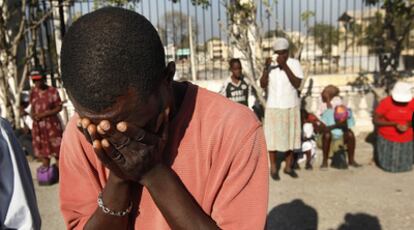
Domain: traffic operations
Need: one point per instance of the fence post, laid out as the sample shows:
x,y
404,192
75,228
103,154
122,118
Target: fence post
x,y
192,51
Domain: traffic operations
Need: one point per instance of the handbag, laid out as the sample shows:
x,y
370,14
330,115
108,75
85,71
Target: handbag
x,y
47,175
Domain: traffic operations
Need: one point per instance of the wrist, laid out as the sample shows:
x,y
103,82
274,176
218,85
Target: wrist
x,y
118,181
155,174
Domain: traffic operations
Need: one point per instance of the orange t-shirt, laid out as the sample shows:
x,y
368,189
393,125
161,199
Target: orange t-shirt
x,y
220,156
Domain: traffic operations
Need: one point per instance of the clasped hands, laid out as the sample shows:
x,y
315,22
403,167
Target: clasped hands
x,y
402,128
125,149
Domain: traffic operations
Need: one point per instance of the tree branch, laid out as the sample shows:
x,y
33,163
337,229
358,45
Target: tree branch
x,y
19,35
40,21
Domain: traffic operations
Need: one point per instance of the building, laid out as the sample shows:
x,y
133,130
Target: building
x,y
217,50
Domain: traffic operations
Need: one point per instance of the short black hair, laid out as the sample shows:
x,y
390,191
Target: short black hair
x,y
233,61
106,52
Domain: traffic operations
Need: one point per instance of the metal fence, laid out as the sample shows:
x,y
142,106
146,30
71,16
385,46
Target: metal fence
x,y
328,33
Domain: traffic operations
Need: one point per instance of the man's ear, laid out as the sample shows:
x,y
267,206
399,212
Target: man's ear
x,y
170,71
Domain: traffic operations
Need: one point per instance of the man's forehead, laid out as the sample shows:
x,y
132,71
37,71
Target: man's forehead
x,y
121,110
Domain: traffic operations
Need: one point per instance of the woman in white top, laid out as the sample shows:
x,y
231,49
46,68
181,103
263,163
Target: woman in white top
x,y
282,78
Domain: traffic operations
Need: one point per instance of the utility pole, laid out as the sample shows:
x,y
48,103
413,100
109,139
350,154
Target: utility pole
x,y
192,53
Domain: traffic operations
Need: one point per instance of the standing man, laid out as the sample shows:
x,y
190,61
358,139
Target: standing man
x,y
144,151
282,78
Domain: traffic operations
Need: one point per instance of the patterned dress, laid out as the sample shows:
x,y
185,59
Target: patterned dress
x,y
46,132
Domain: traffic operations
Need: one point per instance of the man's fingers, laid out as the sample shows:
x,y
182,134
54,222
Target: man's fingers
x,y
82,125
116,138
97,146
92,130
136,134
112,153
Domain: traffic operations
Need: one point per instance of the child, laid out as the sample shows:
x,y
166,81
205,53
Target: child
x,y
236,88
310,124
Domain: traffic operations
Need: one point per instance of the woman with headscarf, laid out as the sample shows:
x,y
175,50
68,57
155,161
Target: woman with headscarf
x,y
393,118
47,129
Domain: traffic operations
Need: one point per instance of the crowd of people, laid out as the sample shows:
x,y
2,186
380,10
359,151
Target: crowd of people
x,y
145,151
291,131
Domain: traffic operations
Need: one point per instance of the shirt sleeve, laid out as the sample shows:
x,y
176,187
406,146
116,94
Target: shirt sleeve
x,y
223,89
351,119
382,107
56,98
327,117
296,69
79,181
243,197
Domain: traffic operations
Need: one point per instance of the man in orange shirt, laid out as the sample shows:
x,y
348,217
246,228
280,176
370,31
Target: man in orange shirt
x,y
145,152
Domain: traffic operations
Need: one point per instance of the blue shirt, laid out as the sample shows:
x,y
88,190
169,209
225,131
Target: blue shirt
x,y
329,120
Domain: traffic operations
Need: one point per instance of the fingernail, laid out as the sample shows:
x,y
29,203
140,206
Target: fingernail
x,y
79,124
90,129
85,124
121,126
95,144
105,143
100,130
105,125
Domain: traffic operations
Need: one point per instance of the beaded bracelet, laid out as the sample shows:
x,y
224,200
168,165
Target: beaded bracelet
x,y
108,211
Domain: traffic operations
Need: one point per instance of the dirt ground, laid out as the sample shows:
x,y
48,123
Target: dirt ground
x,y
359,199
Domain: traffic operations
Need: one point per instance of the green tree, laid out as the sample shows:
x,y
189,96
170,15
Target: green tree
x,y
102,3
173,28
387,33
325,36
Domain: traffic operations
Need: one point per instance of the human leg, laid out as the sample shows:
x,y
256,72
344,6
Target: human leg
x,y
349,140
326,144
308,155
288,164
274,173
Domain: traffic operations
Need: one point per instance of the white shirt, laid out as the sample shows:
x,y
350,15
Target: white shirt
x,y
281,93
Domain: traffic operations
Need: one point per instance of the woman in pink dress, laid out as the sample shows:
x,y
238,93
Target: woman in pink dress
x,y
47,128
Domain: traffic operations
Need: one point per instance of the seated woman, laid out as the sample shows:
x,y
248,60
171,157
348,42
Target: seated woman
x,y
392,117
333,131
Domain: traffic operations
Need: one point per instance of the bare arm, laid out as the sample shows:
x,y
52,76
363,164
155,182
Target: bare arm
x,y
53,111
141,163
264,80
380,120
116,196
175,203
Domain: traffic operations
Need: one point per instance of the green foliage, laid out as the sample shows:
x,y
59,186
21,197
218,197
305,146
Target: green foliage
x,y
101,3
373,35
388,30
173,28
275,33
325,36
203,3
306,15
